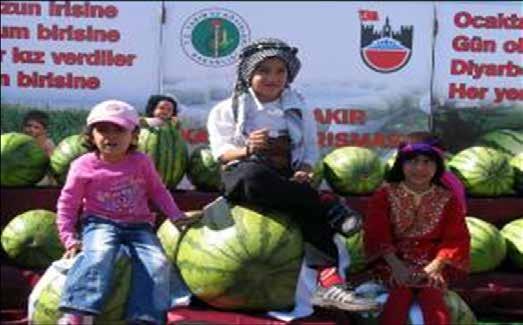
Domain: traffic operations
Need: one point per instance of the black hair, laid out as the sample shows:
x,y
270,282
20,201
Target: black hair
x,y
396,175
153,102
38,116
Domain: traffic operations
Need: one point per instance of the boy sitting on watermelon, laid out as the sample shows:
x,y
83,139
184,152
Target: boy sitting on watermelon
x,y
265,138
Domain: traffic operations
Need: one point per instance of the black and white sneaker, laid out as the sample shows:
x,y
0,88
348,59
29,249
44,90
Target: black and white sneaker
x,y
338,297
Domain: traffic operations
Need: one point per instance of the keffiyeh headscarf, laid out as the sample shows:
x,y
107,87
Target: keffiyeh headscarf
x,y
253,54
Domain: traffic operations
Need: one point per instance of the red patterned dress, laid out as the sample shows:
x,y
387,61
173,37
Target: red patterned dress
x,y
417,227
417,233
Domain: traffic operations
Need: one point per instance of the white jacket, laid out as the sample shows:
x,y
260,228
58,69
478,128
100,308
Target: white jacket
x,y
226,134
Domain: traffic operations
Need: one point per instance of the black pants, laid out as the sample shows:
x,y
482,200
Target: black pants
x,y
253,182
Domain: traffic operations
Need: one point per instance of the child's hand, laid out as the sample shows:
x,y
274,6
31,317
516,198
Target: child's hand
x,y
73,250
434,274
187,220
401,274
301,176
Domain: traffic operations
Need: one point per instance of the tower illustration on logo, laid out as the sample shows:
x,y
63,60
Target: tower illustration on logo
x,y
213,37
386,51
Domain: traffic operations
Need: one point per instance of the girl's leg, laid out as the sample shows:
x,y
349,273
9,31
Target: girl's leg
x,y
88,281
150,294
433,306
396,309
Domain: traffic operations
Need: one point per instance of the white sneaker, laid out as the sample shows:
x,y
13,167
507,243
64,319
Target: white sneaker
x,y
340,298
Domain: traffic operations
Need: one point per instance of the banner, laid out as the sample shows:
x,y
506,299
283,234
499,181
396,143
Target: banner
x,y
366,67
77,53
478,70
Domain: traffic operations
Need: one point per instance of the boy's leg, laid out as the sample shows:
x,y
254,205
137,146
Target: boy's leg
x,y
150,294
88,281
433,306
254,183
396,308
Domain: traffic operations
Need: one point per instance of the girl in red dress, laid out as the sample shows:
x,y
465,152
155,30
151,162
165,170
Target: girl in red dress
x,y
415,236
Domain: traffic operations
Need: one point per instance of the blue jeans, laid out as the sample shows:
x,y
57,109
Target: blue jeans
x,y
89,280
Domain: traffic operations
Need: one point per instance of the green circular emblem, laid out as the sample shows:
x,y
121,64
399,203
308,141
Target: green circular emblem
x,y
213,37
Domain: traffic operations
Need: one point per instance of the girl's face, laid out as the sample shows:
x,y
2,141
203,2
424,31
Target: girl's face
x,y
164,110
34,129
419,172
112,140
269,79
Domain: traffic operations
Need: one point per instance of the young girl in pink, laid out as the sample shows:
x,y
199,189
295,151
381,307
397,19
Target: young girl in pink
x,y
104,206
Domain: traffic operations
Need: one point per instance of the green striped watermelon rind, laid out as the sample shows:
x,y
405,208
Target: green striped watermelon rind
x,y
203,170
508,141
31,239
354,245
487,246
247,260
167,149
63,155
353,170
484,171
513,234
23,162
517,164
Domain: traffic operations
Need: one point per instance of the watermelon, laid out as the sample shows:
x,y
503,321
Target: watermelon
x,y
513,234
167,149
353,170
487,245
203,170
23,162
45,297
505,140
242,259
31,239
67,150
517,164
354,245
484,171
169,236
460,312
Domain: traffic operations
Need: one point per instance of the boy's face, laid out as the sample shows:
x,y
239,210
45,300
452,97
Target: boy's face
x,y
34,129
269,79
164,110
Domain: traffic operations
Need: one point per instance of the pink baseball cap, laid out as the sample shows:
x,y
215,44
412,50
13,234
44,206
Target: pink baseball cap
x,y
114,111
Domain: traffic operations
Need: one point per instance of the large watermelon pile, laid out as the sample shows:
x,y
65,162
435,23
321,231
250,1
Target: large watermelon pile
x,y
45,298
242,260
513,234
484,171
23,162
67,150
31,239
487,245
166,147
203,170
353,170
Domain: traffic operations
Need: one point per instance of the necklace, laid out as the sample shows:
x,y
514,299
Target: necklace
x,y
417,195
